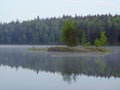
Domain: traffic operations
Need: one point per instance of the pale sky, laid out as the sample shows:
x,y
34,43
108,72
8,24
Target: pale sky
x,y
29,9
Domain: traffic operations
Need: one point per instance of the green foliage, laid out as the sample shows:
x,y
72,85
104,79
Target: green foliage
x,y
70,33
103,38
85,42
102,41
48,31
97,43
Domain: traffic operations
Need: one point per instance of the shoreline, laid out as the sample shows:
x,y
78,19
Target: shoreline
x,y
80,49
57,51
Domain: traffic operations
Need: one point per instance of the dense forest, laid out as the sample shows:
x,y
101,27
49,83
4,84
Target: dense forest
x,y
48,31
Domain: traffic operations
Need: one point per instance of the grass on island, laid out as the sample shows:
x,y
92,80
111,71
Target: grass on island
x,y
79,49
65,49
98,49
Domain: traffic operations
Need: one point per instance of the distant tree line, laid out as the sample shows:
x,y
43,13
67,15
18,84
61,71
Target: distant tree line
x,y
48,31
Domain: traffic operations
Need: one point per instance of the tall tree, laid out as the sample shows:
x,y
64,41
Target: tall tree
x,y
70,33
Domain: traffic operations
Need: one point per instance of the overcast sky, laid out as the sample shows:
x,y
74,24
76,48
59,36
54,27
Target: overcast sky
x,y
29,9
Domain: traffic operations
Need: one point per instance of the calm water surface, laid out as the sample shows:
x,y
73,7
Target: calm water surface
x,y
22,69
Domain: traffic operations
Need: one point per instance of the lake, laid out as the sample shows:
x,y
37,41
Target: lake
x,y
23,69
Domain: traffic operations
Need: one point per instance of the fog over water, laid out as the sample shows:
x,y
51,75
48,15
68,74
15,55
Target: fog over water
x,y
21,68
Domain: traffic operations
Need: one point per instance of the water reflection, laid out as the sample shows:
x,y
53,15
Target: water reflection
x,y
69,67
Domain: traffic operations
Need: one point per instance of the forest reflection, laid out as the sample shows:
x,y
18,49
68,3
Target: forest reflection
x,y
68,67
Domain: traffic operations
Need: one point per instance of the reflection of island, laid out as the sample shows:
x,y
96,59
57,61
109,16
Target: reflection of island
x,y
69,67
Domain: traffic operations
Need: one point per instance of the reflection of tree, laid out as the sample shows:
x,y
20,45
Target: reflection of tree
x,y
69,67
95,66
69,78
101,65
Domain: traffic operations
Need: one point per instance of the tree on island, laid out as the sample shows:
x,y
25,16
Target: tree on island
x,y
84,40
102,41
70,37
70,33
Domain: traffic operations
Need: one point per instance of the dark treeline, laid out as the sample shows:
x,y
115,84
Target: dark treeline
x,y
48,31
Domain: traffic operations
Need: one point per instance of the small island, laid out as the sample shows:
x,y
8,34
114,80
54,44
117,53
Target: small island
x,y
70,37
79,49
